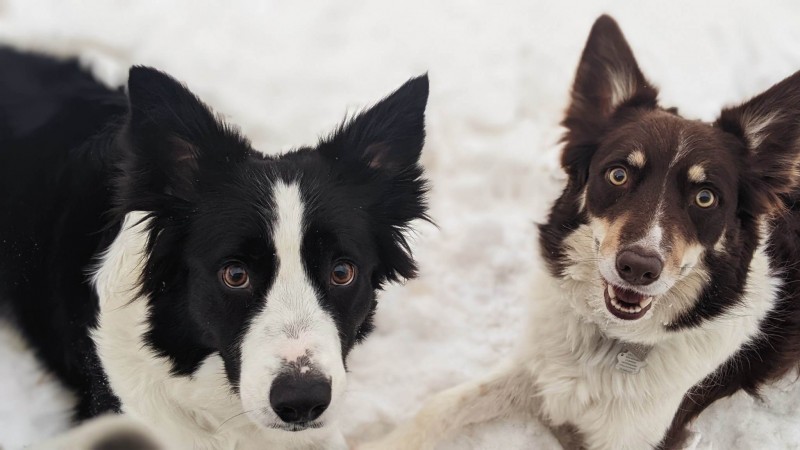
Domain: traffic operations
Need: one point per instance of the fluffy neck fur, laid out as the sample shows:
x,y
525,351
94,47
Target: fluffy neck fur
x,y
573,361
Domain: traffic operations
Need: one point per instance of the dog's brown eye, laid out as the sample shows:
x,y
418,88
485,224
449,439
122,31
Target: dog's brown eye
x,y
235,276
705,198
617,176
343,273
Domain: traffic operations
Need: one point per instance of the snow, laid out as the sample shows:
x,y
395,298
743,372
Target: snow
x,y
286,72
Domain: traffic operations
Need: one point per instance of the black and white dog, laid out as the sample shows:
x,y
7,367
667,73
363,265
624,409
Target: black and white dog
x,y
163,268
672,260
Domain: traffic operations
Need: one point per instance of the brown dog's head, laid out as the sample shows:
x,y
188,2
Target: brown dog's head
x,y
662,214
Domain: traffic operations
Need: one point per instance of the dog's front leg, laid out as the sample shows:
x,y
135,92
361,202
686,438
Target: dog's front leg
x,y
507,390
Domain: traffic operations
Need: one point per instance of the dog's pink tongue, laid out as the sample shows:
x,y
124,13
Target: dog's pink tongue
x,y
629,297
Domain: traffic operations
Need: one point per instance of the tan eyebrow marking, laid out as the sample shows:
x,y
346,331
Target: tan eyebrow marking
x,y
697,174
637,159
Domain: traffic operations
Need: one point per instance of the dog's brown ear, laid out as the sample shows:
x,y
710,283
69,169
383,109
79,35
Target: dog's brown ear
x,y
607,79
769,126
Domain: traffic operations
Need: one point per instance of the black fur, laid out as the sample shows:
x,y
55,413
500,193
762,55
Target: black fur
x,y
56,181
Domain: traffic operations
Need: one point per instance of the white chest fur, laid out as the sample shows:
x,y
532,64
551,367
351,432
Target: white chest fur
x,y
200,411
573,363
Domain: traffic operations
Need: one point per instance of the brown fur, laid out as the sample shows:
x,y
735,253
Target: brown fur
x,y
751,161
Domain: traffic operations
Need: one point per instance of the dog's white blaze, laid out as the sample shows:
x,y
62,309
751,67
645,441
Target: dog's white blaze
x,y
658,213
292,322
200,411
296,348
653,238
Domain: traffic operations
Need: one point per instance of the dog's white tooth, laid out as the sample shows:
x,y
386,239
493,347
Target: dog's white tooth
x,y
646,302
637,309
611,292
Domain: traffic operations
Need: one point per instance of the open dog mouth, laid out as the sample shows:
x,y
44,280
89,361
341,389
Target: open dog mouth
x,y
299,426
626,304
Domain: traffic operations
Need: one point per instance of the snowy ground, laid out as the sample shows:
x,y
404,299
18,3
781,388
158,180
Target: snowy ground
x,y
287,71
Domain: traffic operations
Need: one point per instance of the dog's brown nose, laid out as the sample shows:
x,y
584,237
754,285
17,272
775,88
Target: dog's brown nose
x,y
638,267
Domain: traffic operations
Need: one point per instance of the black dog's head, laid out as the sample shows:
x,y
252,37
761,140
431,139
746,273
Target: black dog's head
x,y
271,262
660,218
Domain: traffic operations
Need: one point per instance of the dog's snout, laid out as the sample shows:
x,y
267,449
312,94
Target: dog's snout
x,y
639,267
300,398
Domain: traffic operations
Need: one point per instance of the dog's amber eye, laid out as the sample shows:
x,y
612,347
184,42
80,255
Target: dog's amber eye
x,y
617,176
343,273
705,198
235,276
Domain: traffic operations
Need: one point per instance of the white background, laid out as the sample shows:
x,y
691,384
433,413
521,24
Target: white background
x,y
286,72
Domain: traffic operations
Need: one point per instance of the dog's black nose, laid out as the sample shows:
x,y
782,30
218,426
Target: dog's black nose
x,y
638,267
300,398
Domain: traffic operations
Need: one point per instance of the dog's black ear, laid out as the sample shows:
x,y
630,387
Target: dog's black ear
x,y
769,127
389,135
607,79
382,145
169,136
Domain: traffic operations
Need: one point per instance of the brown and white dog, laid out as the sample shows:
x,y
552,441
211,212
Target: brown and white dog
x,y
670,258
